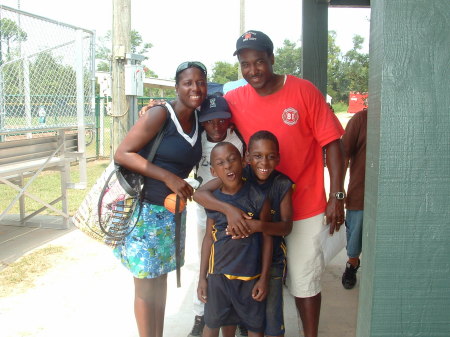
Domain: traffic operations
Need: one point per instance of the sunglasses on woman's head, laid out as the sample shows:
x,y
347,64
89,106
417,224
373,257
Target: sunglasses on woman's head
x,y
189,64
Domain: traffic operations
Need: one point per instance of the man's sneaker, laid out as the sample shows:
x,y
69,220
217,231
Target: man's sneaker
x,y
349,276
242,331
197,329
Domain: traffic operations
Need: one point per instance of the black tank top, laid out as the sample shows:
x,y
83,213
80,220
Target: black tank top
x,y
177,153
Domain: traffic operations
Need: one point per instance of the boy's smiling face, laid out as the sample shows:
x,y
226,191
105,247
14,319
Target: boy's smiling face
x,y
263,157
216,129
227,164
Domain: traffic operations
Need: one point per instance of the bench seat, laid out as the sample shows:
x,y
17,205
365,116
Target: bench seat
x,y
28,158
9,171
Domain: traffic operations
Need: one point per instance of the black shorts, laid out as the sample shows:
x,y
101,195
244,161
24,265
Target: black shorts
x,y
230,302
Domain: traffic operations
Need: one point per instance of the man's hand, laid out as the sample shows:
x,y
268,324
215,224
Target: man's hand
x,y
334,214
335,163
151,103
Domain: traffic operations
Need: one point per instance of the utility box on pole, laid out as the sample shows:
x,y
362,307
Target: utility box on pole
x,y
134,84
134,80
121,46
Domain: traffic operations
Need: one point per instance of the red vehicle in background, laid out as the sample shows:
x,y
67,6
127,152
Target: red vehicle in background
x,y
357,101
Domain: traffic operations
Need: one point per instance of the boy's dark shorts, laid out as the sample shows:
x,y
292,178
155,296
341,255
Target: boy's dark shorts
x,y
230,302
274,302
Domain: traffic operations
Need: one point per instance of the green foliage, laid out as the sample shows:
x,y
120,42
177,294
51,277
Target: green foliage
x,y
334,66
11,84
150,73
340,107
349,72
103,52
156,92
356,66
103,48
288,59
103,66
137,45
10,32
224,72
48,74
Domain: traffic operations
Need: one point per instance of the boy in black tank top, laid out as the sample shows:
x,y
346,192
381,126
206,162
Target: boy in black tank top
x,y
234,274
262,157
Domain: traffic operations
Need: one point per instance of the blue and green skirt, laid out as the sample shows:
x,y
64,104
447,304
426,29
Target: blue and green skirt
x,y
149,251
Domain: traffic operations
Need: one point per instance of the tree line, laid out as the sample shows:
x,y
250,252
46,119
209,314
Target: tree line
x,y
346,71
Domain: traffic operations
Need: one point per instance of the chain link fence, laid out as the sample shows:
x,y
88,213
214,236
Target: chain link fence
x,y
46,74
98,138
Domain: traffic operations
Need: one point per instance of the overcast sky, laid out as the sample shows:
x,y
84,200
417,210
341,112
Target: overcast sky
x,y
203,30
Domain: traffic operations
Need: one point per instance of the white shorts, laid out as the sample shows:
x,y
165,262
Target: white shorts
x,y
305,262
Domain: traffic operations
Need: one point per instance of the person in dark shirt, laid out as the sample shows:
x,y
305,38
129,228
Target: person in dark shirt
x,y
149,251
354,141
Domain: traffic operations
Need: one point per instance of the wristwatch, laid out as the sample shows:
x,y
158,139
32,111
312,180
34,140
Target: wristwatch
x,y
338,195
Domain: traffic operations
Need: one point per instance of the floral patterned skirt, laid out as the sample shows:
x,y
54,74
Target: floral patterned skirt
x,y
149,251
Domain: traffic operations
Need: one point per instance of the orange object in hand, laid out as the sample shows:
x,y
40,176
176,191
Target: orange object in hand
x,y
170,203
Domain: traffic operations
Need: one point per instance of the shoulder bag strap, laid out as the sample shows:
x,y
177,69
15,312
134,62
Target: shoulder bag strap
x,y
159,136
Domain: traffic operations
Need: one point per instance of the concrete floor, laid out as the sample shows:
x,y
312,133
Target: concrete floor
x,y
90,292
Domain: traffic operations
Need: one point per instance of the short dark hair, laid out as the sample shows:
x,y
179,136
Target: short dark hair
x,y
263,135
220,144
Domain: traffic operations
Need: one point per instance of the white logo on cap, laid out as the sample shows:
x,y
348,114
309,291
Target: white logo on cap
x,y
212,103
248,36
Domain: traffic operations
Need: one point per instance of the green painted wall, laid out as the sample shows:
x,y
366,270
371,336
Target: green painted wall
x,y
405,281
315,42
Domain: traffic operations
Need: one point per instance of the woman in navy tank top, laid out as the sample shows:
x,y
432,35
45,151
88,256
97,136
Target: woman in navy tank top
x,y
149,250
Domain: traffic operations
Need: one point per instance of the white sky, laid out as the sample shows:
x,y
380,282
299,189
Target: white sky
x,y
203,30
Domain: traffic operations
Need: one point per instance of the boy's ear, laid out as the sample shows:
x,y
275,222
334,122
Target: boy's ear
x,y
247,157
244,163
213,172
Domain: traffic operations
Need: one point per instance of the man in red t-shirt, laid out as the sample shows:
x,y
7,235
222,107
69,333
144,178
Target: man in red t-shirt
x,y
296,112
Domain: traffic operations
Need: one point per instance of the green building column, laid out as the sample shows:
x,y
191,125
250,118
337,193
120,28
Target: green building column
x,y
315,42
405,281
